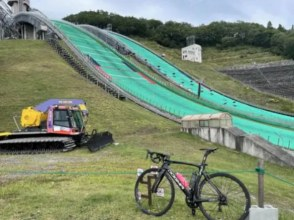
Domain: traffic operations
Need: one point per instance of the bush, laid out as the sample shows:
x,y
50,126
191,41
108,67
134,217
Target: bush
x,y
289,47
229,42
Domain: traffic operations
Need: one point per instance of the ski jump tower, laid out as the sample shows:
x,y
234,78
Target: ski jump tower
x,y
19,5
7,26
26,30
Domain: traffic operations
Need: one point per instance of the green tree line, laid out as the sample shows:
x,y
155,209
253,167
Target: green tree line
x,y
173,34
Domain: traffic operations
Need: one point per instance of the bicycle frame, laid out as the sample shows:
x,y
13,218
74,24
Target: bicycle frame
x,y
166,169
203,189
189,193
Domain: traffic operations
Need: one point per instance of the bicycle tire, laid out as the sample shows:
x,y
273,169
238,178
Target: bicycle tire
x,y
237,202
157,203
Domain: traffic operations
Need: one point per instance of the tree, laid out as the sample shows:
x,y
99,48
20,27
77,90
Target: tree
x,y
281,28
269,25
289,47
229,42
277,43
173,34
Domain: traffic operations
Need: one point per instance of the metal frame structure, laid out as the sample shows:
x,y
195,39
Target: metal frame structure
x,y
7,26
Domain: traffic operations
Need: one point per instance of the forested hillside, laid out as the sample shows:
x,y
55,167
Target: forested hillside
x,y
173,34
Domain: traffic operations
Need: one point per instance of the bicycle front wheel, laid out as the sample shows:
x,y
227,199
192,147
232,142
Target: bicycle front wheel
x,y
154,203
223,196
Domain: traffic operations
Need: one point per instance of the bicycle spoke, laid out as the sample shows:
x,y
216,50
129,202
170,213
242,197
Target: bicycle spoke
x,y
232,203
154,203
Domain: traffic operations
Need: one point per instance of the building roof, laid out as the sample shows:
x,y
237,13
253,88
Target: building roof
x,y
220,115
192,46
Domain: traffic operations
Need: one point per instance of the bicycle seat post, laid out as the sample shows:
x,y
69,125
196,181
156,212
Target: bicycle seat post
x,y
204,157
207,152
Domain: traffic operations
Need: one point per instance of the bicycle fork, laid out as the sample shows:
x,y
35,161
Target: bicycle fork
x,y
157,181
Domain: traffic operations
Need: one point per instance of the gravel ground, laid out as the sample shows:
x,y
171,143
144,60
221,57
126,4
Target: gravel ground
x,y
13,167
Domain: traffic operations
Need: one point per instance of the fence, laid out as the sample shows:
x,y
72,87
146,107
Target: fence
x,y
51,179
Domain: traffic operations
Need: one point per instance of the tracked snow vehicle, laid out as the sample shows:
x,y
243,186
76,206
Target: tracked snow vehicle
x,y
54,125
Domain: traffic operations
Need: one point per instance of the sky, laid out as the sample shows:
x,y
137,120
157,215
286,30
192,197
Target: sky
x,y
195,12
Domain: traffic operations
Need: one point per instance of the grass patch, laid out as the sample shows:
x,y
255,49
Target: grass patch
x,y
238,55
100,185
84,185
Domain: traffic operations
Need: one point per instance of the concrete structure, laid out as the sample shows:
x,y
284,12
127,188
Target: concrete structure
x,y
237,139
19,5
192,53
31,25
266,213
218,120
27,30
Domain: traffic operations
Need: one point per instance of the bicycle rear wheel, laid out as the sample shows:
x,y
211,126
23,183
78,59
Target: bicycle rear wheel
x,y
157,203
233,203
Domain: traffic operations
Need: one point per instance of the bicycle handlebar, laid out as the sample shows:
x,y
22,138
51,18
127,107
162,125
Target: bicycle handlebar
x,y
157,157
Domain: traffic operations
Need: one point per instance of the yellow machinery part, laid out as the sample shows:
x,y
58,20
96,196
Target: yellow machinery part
x,y
83,107
5,134
32,118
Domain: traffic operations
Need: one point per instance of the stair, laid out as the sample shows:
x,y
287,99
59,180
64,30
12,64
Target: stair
x,y
81,69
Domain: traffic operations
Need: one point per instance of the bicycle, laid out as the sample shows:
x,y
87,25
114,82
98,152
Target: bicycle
x,y
218,195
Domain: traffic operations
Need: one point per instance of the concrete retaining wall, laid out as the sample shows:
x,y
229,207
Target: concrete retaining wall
x,y
237,139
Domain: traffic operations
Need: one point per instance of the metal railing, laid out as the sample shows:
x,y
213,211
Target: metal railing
x,y
7,28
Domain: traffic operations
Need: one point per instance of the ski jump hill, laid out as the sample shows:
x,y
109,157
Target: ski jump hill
x,y
104,58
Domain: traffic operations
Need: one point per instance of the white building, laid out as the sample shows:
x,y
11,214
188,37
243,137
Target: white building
x,y
192,53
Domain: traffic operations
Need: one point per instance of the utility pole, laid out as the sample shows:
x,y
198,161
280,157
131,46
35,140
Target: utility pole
x,y
260,171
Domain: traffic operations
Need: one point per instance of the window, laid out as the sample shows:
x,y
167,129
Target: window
x,y
77,119
60,118
203,123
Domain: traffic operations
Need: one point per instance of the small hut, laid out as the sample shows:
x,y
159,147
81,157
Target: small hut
x,y
218,120
192,53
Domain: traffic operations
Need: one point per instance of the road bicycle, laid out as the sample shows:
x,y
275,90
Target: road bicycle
x,y
218,195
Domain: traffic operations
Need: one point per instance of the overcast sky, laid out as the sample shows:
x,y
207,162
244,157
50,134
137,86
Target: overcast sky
x,y
195,12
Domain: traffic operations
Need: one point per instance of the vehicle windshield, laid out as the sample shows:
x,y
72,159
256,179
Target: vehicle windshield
x,y
60,118
77,119
68,118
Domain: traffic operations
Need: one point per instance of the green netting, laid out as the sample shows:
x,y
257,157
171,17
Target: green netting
x,y
126,78
156,95
207,94
222,102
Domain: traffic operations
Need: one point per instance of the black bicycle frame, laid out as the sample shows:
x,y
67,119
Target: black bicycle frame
x,y
166,169
189,193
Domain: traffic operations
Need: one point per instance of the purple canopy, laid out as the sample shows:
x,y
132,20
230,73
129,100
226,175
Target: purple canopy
x,y
43,107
